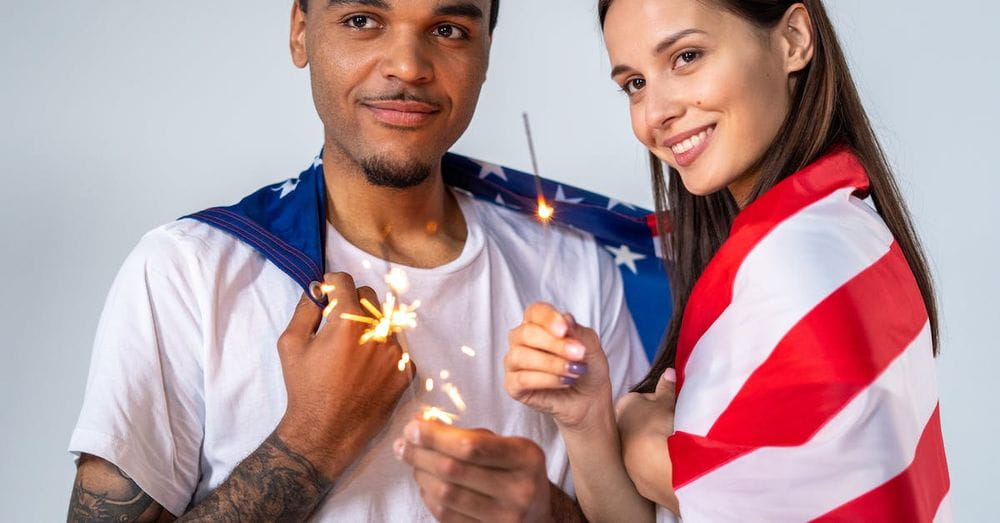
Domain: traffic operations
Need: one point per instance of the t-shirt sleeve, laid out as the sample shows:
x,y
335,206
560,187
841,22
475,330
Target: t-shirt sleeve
x,y
626,359
143,408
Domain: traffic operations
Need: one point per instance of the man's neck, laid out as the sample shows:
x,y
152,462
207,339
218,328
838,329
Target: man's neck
x,y
420,226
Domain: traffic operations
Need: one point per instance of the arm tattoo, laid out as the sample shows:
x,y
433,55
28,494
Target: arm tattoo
x,y
109,495
272,484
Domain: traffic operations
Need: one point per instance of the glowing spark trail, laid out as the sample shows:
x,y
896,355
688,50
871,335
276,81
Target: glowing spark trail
x,y
434,413
429,384
392,319
455,397
468,351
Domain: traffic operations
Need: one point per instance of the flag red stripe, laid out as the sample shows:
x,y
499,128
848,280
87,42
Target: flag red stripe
x,y
714,289
836,351
914,495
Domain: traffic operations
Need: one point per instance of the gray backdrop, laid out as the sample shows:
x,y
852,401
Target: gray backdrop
x,y
117,116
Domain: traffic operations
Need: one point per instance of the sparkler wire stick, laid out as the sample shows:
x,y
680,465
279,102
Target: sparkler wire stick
x,y
545,211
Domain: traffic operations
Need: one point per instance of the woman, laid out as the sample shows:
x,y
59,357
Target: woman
x,y
804,354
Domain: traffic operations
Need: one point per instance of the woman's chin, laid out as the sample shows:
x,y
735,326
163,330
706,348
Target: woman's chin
x,y
700,185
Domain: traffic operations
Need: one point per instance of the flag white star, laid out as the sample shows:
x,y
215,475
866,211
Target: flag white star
x,y
487,169
561,196
287,187
612,203
625,256
499,199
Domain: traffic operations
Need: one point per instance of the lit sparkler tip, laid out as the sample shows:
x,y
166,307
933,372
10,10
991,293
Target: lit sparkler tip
x,y
545,211
436,414
469,351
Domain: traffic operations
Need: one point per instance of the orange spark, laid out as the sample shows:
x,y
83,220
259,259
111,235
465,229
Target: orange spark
x,y
469,351
455,397
392,319
434,413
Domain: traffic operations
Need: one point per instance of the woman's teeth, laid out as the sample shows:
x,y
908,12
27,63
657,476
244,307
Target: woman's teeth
x,y
692,142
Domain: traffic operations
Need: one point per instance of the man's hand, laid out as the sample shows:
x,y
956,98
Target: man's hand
x,y
340,393
645,421
476,475
559,368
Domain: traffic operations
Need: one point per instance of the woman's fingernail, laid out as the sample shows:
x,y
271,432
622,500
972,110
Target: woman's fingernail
x,y
412,433
559,328
397,448
578,368
670,375
575,351
567,380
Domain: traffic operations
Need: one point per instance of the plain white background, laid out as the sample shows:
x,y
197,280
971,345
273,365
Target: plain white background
x,y
117,116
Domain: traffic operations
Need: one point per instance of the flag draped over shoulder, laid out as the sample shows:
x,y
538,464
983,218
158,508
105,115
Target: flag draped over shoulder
x,y
286,223
806,379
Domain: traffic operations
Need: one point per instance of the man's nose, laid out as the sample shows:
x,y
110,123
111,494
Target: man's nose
x,y
406,59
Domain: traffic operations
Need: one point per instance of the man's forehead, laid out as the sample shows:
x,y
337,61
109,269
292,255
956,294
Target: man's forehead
x,y
388,5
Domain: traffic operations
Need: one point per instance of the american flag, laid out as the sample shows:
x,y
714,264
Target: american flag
x,y
806,380
285,223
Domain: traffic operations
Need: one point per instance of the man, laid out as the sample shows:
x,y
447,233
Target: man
x,y
192,413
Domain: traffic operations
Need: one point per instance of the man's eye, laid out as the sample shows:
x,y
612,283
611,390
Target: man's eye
x,y
634,85
360,22
450,32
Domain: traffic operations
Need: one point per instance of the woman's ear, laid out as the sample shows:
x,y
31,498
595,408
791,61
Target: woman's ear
x,y
796,37
297,39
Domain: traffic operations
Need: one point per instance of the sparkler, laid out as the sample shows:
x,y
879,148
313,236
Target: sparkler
x,y
545,211
434,413
392,319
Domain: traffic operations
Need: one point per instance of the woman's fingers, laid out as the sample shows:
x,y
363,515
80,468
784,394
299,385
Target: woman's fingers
x,y
547,317
523,358
522,382
538,337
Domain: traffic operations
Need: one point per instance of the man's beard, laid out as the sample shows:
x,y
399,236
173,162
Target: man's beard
x,y
382,172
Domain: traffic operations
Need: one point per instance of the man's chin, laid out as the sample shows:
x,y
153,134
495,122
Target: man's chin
x,y
381,171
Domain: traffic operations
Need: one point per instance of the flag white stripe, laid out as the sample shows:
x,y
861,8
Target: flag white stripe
x,y
869,442
790,271
945,512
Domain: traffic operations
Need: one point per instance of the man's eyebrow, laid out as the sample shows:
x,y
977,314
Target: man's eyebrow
x,y
375,4
463,9
664,44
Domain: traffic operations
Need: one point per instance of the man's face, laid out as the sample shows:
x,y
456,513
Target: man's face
x,y
395,82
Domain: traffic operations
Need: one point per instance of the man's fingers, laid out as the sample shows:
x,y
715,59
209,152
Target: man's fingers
x,y
478,478
476,447
521,358
302,326
538,337
454,496
547,317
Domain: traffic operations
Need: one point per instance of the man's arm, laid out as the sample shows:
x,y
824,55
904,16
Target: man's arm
x,y
275,483
339,397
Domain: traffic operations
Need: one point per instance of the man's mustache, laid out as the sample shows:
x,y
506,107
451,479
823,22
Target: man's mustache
x,y
402,96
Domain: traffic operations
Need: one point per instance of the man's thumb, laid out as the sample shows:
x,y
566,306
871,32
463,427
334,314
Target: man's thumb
x,y
667,385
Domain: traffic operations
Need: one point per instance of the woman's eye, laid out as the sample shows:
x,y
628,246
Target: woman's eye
x,y
686,57
361,22
634,85
450,32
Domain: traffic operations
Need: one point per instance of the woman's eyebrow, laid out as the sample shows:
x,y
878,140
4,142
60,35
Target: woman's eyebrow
x,y
664,44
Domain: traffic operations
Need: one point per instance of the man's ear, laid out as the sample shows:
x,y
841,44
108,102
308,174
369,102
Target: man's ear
x,y
297,39
796,38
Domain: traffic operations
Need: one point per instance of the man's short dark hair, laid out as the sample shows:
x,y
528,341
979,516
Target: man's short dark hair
x,y
494,11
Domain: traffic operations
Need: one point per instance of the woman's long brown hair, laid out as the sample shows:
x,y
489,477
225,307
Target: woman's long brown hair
x,y
826,111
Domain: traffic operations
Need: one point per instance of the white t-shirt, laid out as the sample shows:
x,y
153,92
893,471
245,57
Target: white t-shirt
x,y
185,380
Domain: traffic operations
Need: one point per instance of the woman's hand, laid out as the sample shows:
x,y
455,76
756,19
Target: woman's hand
x,y
645,421
558,367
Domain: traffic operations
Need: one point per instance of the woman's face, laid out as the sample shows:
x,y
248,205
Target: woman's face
x,y
708,90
